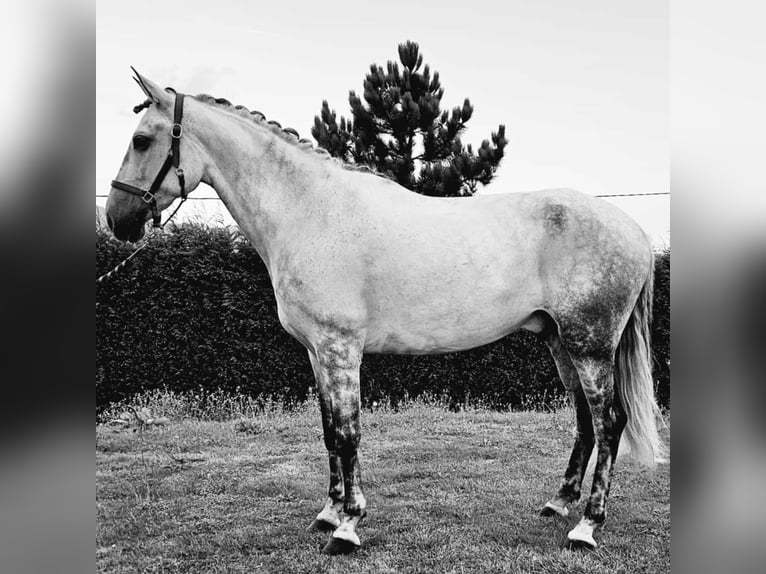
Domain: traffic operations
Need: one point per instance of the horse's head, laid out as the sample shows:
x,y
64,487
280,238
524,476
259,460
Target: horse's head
x,y
162,163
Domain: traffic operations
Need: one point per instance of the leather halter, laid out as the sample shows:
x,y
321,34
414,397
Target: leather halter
x,y
173,159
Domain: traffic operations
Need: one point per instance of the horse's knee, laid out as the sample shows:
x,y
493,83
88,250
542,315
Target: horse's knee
x,y
347,438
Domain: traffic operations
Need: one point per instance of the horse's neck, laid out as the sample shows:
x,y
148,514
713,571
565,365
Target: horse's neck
x,y
268,185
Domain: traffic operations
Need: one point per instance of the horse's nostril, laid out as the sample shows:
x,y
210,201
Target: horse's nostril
x,y
109,222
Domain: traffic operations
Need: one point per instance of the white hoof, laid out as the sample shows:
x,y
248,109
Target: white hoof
x,y
330,516
346,532
582,534
553,507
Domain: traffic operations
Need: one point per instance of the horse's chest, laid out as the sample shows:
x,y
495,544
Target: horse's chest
x,y
309,309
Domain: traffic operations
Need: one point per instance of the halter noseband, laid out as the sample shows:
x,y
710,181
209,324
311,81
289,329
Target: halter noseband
x,y
173,159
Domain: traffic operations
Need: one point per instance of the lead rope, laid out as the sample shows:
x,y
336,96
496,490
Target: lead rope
x,y
125,261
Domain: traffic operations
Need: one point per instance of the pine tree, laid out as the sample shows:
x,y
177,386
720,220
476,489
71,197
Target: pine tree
x,y
401,130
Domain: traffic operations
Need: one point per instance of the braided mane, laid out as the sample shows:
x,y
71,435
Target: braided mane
x,y
288,134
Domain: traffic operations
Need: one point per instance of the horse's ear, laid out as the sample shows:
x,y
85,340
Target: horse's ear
x,y
152,90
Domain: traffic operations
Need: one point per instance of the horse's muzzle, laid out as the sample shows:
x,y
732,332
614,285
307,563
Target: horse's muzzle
x,y
126,228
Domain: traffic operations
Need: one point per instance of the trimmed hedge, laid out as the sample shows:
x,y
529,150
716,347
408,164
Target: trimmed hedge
x,y
661,327
195,311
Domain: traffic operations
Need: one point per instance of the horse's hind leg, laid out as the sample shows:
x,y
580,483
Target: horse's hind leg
x,y
597,378
569,492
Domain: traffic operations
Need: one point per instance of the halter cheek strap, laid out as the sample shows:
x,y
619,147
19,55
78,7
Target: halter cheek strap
x,y
173,159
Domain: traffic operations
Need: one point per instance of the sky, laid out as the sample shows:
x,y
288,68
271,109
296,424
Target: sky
x,y
582,87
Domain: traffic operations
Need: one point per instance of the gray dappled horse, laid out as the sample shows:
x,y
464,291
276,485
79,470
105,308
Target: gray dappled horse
x,y
361,265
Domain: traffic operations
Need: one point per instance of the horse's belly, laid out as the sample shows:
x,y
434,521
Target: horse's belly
x,y
452,307
421,334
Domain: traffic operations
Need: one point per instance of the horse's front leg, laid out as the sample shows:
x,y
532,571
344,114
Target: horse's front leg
x,y
336,361
330,517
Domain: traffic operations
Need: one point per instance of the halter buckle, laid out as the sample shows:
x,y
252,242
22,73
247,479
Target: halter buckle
x,y
148,195
176,131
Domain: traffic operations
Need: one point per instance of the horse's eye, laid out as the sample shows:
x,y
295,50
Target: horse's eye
x,y
141,142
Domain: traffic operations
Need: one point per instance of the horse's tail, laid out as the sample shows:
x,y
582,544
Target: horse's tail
x,y
634,383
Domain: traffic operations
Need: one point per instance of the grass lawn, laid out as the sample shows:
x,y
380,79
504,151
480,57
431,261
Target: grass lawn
x,y
447,492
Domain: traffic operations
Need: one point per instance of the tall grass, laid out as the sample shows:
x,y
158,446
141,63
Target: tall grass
x,y
220,405
203,405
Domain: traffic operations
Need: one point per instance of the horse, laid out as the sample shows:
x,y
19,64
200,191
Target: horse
x,y
360,265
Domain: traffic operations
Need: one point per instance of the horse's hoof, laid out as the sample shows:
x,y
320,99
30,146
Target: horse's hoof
x,y
581,544
337,546
551,509
321,526
581,536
